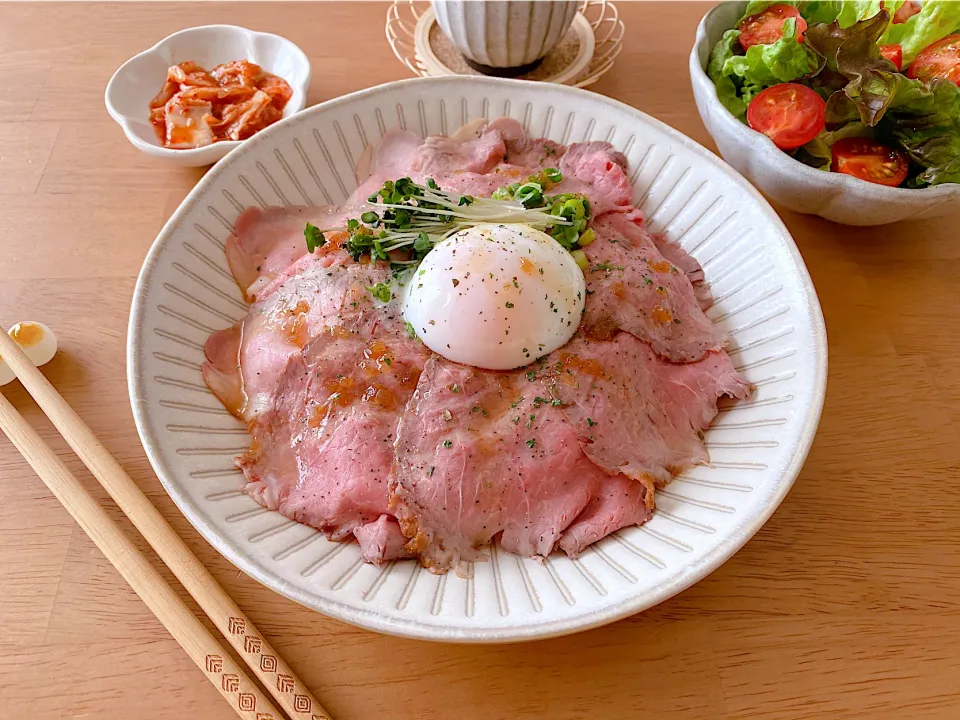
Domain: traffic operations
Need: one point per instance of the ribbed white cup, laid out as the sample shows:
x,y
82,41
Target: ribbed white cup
x,y
504,33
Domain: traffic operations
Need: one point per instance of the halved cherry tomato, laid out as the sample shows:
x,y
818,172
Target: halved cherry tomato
x,y
870,161
766,27
906,11
939,60
893,53
789,114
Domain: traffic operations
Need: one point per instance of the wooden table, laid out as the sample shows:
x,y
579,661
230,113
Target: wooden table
x,y
844,606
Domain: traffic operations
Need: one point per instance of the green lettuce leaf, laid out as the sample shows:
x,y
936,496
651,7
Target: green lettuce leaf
x,y
928,128
854,11
842,109
727,91
765,65
873,83
844,12
820,11
936,20
827,11
828,38
739,76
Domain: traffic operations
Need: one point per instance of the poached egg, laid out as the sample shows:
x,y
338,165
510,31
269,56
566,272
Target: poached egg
x,y
496,296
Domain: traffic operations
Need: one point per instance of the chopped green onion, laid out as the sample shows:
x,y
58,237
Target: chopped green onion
x,y
581,259
381,291
314,238
530,195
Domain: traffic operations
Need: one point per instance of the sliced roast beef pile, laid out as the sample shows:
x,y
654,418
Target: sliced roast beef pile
x,y
359,431
321,453
481,453
634,412
634,288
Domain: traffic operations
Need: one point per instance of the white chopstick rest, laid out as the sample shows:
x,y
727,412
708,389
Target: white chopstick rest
x,y
38,343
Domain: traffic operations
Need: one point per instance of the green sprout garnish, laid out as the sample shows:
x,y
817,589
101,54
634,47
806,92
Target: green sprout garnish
x,y
410,219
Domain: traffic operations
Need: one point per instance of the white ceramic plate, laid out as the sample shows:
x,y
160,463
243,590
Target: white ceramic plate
x,y
764,299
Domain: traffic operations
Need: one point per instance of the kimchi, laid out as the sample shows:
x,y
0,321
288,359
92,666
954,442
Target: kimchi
x,y
230,102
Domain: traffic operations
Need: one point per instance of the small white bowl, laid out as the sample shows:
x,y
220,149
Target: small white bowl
x,y
138,81
834,196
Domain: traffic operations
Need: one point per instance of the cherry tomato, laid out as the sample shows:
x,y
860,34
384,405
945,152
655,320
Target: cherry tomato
x,y
893,53
789,114
870,161
766,27
906,11
940,60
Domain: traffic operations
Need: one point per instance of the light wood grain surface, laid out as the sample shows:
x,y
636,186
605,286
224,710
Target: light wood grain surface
x,y
844,606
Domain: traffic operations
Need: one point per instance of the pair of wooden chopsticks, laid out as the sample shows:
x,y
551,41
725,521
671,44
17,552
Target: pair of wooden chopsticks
x,y
200,644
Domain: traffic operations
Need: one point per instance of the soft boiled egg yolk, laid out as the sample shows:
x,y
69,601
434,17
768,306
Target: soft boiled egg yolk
x,y
496,296
36,340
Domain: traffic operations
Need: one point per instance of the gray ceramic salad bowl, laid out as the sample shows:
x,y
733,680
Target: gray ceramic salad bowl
x,y
834,196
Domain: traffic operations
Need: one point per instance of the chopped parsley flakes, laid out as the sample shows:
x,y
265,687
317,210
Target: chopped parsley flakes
x,y
606,266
